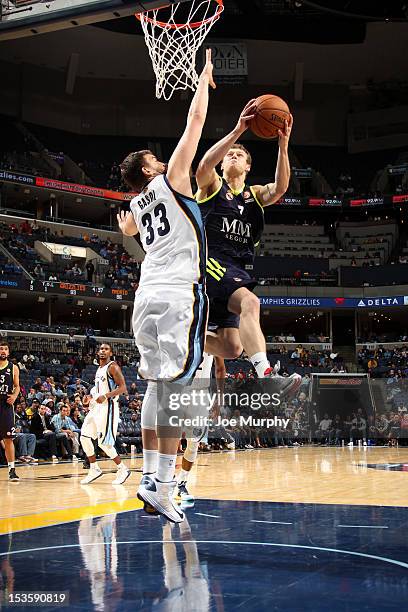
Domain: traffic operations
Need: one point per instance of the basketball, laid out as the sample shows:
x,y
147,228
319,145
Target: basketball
x,y
270,114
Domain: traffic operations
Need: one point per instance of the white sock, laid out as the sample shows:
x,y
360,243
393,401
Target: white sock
x,y
150,459
260,363
166,467
94,466
11,465
183,476
122,466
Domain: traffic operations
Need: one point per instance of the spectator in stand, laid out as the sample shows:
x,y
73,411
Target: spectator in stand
x,y
38,272
75,416
63,425
43,429
24,440
76,270
29,360
25,227
90,340
90,269
72,344
324,427
133,390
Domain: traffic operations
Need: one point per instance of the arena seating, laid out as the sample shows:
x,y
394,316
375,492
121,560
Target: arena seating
x,y
122,270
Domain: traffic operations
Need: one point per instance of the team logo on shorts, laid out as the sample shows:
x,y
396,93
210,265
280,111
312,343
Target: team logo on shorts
x,y
229,195
247,195
237,280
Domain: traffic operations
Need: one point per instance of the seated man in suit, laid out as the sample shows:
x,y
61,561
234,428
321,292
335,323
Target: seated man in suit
x,y
41,426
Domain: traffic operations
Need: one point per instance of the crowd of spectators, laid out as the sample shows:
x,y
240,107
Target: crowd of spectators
x,y
51,409
120,271
50,412
384,362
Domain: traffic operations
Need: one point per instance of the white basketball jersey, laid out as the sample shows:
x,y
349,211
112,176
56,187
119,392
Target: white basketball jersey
x,y
172,233
104,382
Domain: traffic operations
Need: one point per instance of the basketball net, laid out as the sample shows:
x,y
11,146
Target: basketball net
x,y
173,45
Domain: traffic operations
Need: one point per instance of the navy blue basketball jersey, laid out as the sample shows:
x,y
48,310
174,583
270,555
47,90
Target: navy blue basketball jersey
x,y
6,383
234,222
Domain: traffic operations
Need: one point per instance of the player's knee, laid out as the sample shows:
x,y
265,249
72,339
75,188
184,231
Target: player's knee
x,y
190,454
88,446
250,306
149,407
109,450
232,348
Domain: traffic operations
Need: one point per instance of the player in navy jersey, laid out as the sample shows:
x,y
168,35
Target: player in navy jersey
x,y
234,219
9,390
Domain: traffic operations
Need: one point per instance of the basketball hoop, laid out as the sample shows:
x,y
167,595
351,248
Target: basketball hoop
x,y
173,46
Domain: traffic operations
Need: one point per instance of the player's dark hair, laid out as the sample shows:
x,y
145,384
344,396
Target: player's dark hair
x,y
242,148
131,169
5,344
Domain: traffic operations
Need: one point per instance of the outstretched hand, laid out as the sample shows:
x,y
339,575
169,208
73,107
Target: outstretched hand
x,y
284,134
122,218
208,69
247,114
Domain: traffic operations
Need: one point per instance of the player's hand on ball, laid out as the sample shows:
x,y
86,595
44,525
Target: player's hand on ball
x,y
284,134
247,114
208,69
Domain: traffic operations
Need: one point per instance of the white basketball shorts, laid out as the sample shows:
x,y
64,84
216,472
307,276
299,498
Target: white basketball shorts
x,y
102,423
169,324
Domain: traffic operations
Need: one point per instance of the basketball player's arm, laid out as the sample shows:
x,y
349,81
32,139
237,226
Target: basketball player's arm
x,y
270,193
206,176
127,223
116,373
178,171
16,386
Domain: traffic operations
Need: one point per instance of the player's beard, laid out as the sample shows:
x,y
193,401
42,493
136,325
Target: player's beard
x,y
3,358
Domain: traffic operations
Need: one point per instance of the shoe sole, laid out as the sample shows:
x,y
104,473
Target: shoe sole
x,y
146,499
120,483
93,479
291,388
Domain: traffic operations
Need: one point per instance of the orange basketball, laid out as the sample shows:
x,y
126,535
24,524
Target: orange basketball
x,y
270,114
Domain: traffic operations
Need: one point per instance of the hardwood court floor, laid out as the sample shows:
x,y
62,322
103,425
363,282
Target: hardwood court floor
x,y
52,494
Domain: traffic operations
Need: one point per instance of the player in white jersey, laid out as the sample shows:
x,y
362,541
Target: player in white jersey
x,y
101,422
170,313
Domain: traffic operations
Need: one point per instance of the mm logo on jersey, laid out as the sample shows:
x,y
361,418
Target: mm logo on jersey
x,y
236,230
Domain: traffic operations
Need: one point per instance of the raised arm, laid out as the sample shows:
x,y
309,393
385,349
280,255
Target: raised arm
x,y
178,170
206,175
270,193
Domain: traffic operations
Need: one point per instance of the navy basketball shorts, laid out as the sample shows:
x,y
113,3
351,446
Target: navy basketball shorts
x,y
223,279
6,421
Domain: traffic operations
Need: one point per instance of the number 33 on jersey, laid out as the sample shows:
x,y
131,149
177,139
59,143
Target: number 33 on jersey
x,y
172,233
